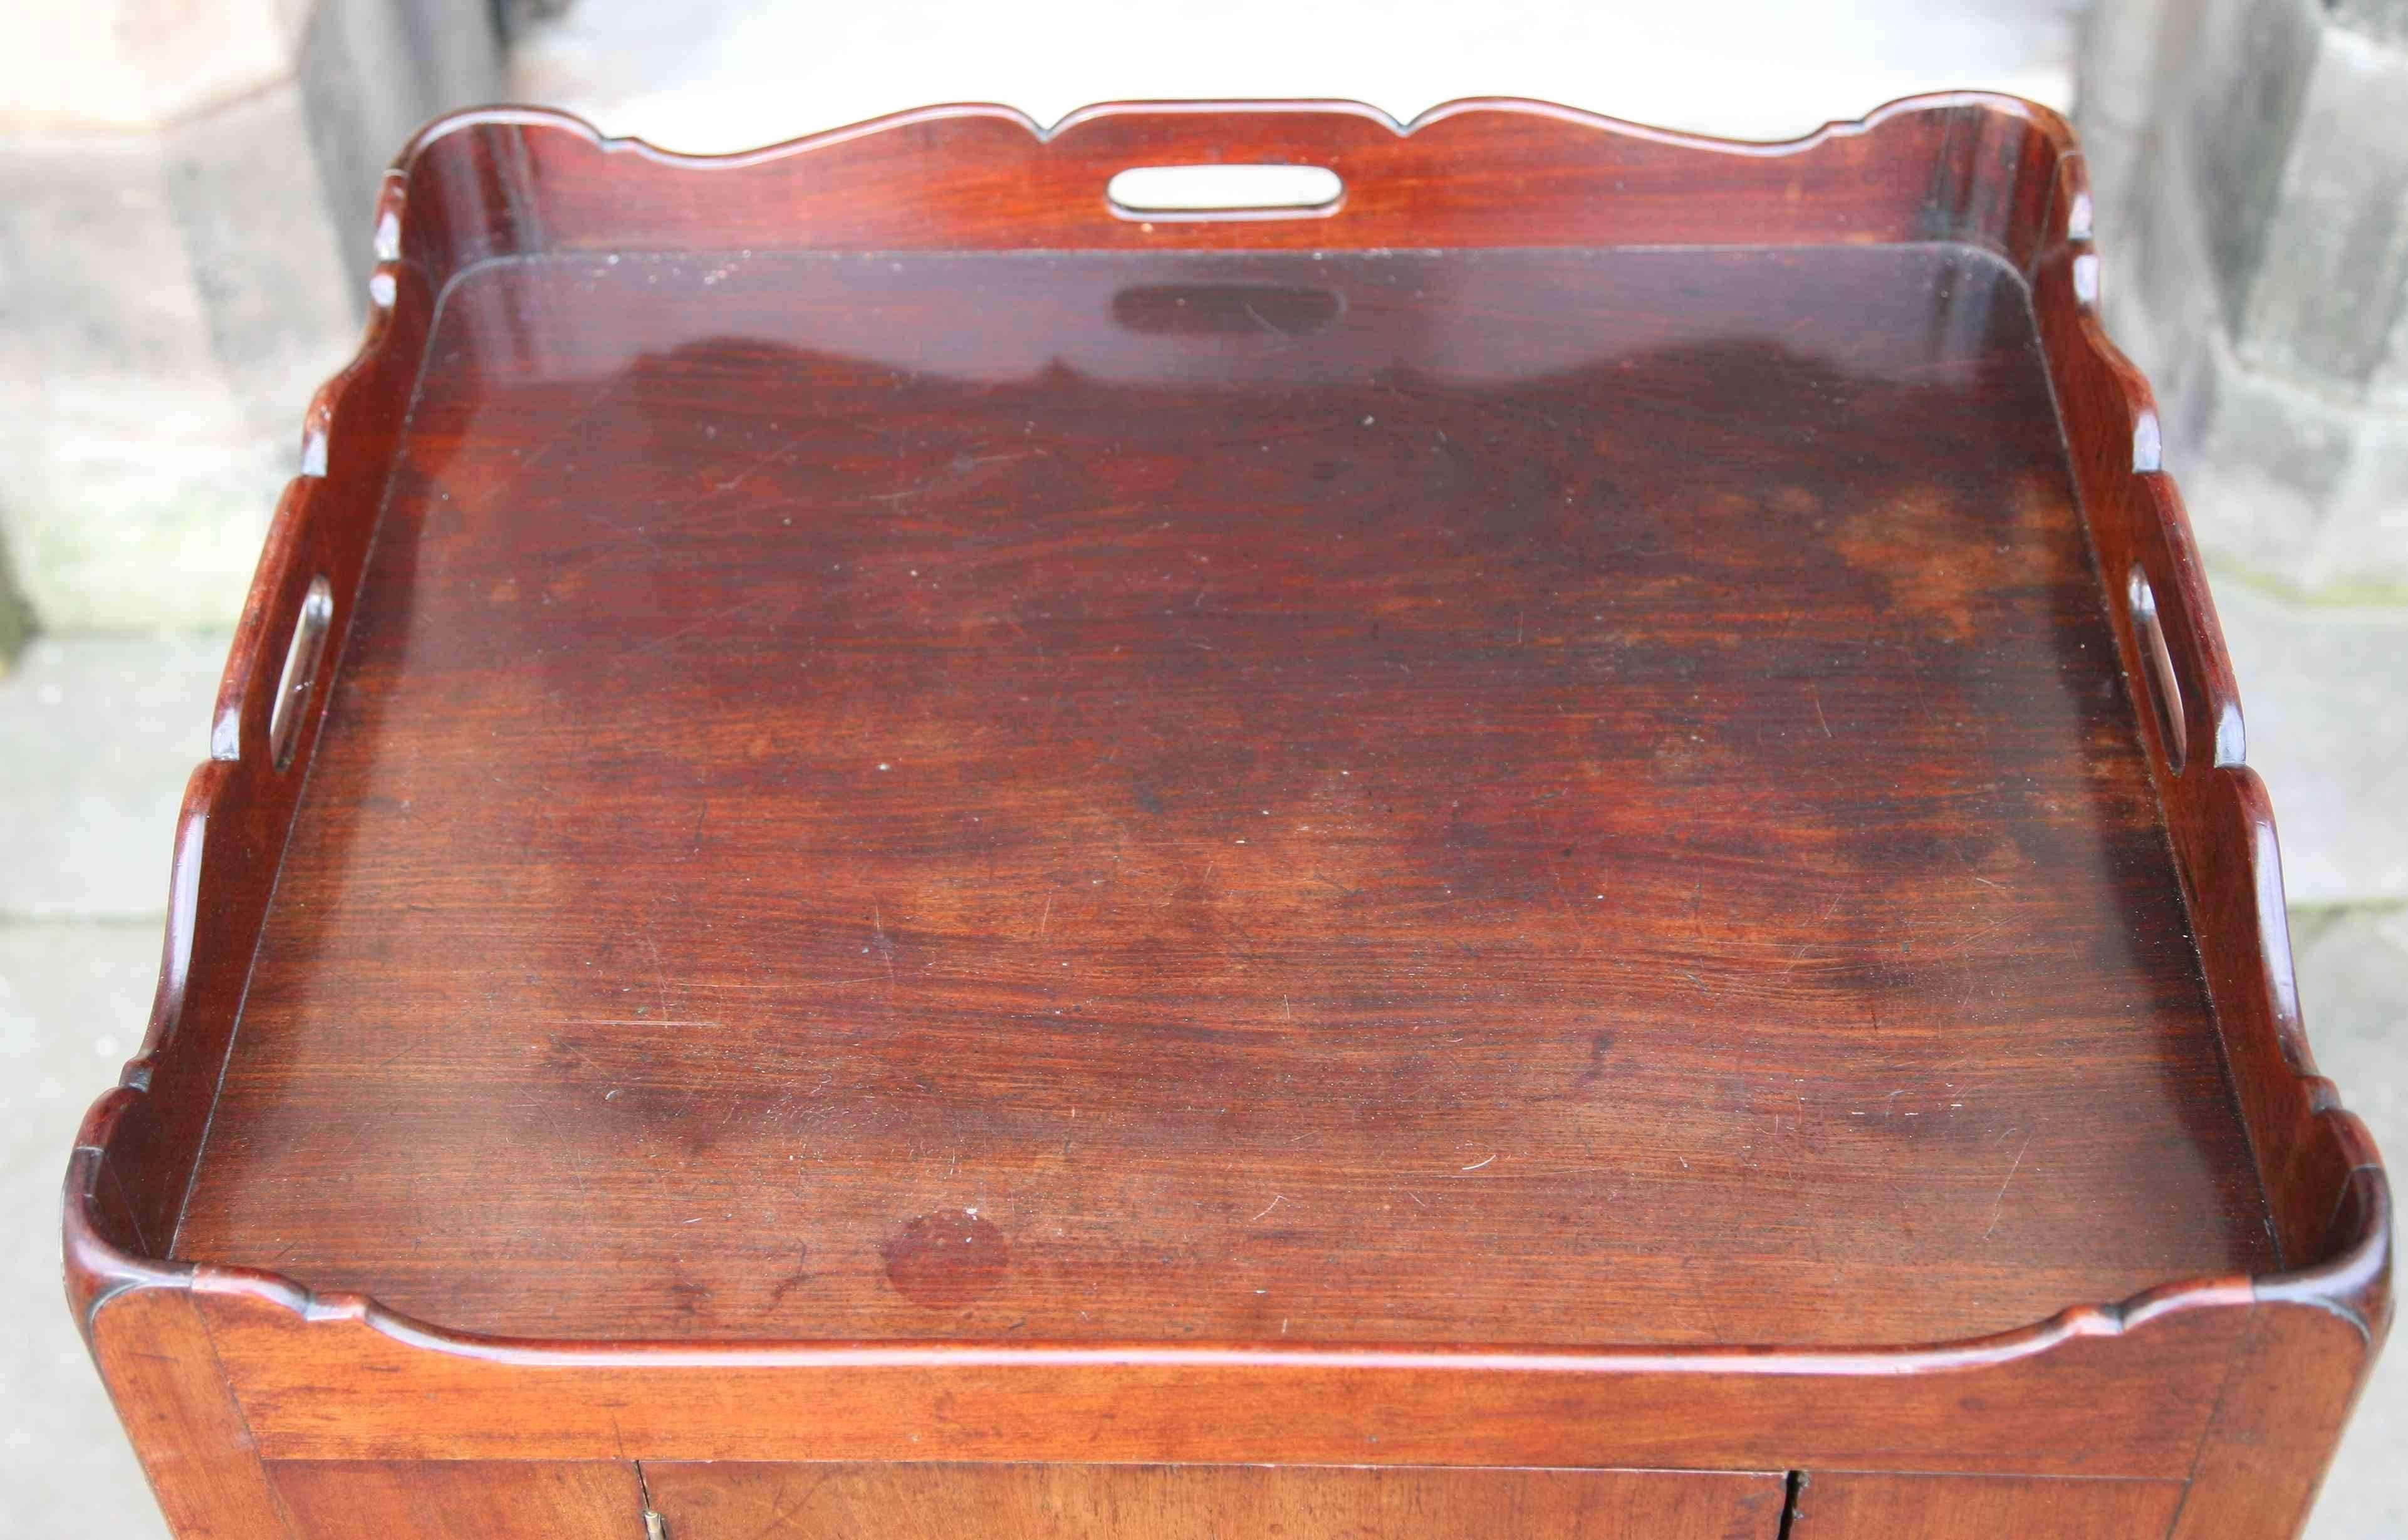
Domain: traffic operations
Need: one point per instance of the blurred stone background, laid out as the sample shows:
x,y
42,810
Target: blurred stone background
x,y
185,189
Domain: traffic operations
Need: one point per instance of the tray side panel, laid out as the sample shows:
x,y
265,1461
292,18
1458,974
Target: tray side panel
x,y
1471,174
146,1137
2310,1153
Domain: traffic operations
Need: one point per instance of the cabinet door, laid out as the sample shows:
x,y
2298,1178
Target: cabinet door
x,y
459,1500
1031,1501
1858,1505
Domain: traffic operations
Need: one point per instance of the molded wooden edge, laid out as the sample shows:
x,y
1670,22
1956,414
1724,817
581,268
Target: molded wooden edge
x,y
2131,1402
2075,1322
1213,111
2355,1284
346,459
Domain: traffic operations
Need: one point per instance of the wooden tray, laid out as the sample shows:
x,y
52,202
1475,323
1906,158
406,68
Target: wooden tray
x,y
1581,810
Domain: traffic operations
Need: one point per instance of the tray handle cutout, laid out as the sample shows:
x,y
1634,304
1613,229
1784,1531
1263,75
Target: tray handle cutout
x,y
2164,687
299,680
1203,192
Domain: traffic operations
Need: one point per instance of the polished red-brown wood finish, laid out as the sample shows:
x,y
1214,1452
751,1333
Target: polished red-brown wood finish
x,y
1839,1505
1325,834
1564,847
835,1501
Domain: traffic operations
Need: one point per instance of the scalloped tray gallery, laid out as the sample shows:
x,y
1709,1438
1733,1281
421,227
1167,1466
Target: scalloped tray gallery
x,y
1580,808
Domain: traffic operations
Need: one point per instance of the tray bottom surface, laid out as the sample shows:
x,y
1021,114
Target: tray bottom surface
x,y
1518,797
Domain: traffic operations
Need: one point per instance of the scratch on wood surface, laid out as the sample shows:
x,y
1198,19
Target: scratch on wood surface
x,y
1963,942
1277,1199
1999,1205
715,617
660,975
884,947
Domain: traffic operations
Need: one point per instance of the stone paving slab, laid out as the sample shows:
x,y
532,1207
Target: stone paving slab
x,y
74,998
97,736
2251,168
2324,690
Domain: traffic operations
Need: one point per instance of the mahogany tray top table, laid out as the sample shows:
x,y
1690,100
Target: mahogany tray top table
x,y
1557,846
